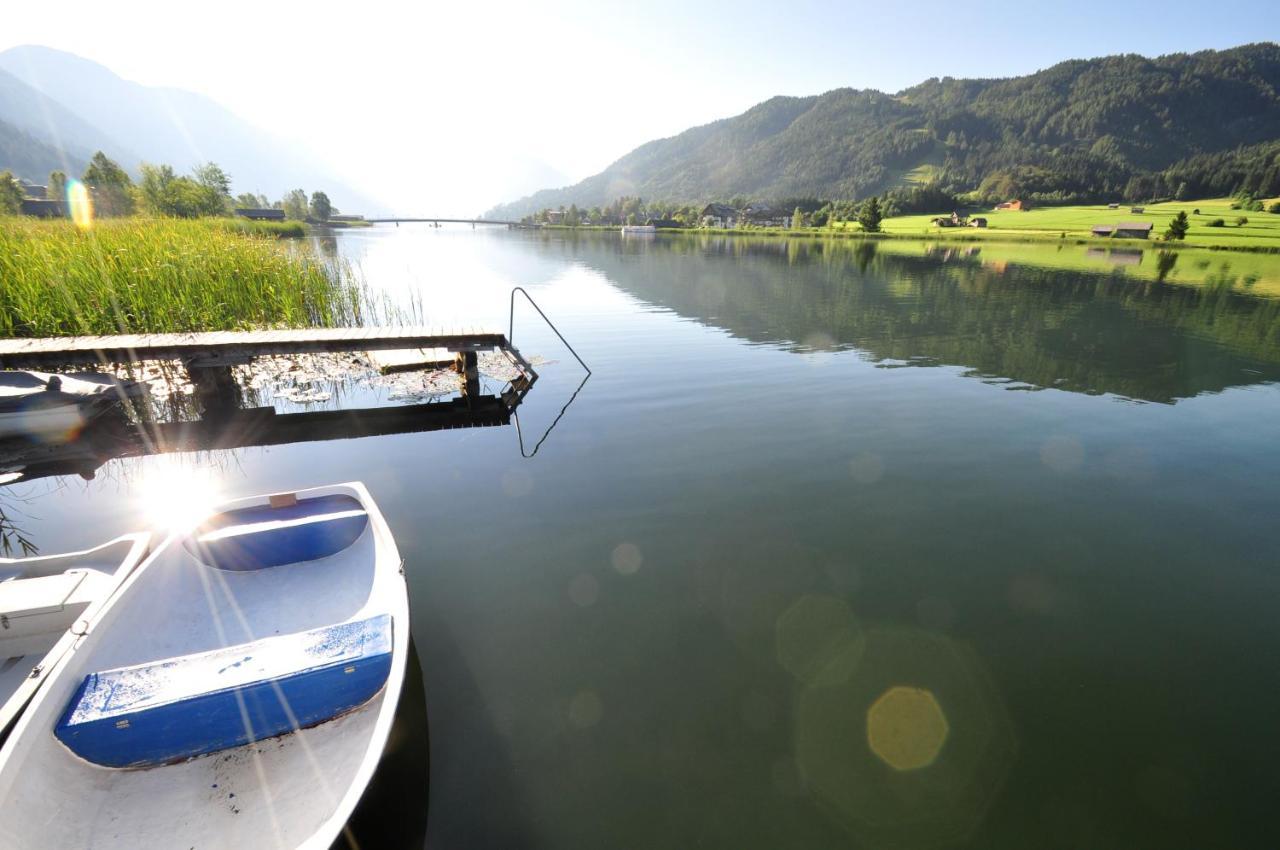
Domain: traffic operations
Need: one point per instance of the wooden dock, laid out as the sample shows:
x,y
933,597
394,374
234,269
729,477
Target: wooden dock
x,y
229,348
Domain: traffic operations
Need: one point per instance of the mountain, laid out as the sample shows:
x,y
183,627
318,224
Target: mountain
x,y
133,123
39,135
1077,130
29,157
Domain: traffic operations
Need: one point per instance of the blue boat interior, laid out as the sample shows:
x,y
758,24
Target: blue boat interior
x,y
263,536
192,705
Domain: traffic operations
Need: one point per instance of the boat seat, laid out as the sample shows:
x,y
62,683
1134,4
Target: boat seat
x,y
34,612
265,536
178,708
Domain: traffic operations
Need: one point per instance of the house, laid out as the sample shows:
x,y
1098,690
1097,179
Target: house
x,y
41,208
663,222
955,220
1137,210
977,221
255,214
34,190
761,215
555,216
1134,230
1127,230
1021,206
719,215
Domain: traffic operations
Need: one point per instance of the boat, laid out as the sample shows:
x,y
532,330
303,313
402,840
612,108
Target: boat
x,y
48,406
41,599
638,229
236,692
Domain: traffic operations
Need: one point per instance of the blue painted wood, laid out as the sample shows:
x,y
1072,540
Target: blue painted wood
x,y
263,536
175,709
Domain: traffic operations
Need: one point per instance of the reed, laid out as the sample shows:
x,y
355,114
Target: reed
x,y
163,275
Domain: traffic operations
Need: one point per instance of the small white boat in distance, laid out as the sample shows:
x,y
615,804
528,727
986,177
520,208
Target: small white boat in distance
x,y
41,599
236,692
638,229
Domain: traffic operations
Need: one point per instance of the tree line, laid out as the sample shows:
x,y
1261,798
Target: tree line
x,y
160,191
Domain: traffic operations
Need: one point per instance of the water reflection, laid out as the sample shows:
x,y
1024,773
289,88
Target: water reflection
x,y
1032,326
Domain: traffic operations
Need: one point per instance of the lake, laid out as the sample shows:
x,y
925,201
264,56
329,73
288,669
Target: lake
x,y
842,544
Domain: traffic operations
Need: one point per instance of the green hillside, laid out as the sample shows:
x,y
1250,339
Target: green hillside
x,y
1123,126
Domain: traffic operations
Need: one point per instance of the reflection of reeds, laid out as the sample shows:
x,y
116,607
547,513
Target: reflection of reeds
x,y
13,539
152,275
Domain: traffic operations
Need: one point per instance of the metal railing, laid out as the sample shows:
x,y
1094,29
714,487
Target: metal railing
x,y
516,414
511,324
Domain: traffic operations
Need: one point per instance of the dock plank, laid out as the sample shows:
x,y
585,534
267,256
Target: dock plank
x,y
130,348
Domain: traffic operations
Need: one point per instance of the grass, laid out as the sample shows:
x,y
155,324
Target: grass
x,y
278,229
142,275
1247,273
1261,233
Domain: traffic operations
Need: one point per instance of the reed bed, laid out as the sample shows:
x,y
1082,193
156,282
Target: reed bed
x,y
160,275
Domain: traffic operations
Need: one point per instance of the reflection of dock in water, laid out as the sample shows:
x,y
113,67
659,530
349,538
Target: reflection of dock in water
x,y
224,423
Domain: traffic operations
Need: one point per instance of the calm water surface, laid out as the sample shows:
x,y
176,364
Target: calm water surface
x,y
839,547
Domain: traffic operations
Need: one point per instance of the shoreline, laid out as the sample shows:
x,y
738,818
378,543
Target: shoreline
x,y
941,234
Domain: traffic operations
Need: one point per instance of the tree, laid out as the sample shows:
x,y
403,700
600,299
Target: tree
x,y
1177,227
215,186
250,201
321,209
870,215
110,186
294,205
57,188
797,219
10,194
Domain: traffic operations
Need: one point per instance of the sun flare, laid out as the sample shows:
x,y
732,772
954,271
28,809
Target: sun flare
x,y
176,497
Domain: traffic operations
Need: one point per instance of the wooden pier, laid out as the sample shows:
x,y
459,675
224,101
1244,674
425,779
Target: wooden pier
x,y
209,357
232,348
224,423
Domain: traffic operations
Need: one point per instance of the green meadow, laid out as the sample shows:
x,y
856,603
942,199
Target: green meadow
x,y
1244,272
141,275
1262,231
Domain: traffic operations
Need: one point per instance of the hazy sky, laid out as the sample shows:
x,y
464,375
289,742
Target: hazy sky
x,y
444,108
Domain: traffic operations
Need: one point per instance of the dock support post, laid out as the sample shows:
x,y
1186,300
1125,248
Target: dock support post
x,y
216,391
467,365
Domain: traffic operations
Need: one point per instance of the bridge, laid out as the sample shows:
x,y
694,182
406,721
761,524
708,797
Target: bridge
x,y
471,221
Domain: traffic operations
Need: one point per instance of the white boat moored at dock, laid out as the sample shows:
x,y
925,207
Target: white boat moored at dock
x,y
236,692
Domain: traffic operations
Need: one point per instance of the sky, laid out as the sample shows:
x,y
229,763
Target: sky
x,y
449,108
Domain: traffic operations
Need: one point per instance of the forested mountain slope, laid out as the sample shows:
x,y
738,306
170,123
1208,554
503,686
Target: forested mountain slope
x,y
1079,130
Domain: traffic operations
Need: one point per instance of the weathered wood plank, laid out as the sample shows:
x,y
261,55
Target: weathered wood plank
x,y
67,351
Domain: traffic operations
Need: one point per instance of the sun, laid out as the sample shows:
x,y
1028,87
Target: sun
x,y
177,496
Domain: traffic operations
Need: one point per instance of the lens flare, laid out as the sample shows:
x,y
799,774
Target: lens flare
x,y
176,497
80,203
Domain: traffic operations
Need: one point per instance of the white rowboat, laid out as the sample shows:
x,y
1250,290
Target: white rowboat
x,y
41,599
237,692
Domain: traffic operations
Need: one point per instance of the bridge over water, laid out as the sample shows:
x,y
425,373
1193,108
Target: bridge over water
x,y
471,221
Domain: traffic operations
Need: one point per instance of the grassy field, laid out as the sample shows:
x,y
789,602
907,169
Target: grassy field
x,y
1246,273
142,275
1261,232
